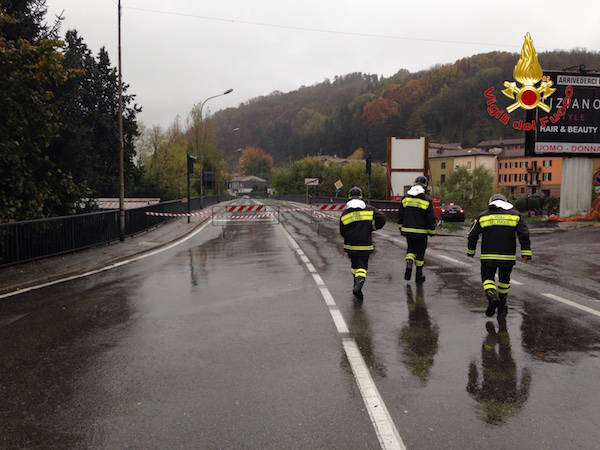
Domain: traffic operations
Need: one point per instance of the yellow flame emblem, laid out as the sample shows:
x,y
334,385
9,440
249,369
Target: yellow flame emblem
x,y
528,72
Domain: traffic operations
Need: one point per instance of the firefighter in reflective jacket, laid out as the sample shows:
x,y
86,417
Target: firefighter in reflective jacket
x,y
499,226
416,222
356,225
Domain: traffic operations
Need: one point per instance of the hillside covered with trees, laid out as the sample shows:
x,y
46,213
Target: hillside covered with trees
x,y
444,103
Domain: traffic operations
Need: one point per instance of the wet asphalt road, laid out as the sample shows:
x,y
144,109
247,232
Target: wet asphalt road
x,y
225,342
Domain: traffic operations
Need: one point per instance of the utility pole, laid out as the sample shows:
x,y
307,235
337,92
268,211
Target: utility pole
x,y
121,152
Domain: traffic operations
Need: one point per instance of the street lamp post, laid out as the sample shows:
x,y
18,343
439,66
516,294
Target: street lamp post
x,y
121,152
228,91
234,131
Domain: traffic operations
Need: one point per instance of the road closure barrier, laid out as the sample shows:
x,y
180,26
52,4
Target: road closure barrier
x,y
194,214
241,214
325,212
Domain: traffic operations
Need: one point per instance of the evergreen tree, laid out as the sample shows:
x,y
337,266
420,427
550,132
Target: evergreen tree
x,y
31,73
59,134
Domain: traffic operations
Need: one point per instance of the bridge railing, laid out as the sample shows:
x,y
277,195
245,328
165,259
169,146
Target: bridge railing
x,y
34,239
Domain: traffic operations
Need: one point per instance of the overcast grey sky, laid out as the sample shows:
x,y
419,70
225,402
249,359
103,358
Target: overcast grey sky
x,y
173,61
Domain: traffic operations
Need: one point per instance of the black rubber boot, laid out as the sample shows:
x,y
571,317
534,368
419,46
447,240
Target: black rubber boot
x,y
358,285
502,308
419,277
408,271
492,298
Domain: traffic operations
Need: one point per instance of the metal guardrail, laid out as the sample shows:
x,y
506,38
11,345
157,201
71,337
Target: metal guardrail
x,y
34,239
298,198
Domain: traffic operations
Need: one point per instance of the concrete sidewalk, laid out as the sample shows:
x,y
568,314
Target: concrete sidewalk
x,y
56,267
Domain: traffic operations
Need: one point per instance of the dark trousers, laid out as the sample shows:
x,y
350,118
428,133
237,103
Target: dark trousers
x,y
488,274
360,263
416,250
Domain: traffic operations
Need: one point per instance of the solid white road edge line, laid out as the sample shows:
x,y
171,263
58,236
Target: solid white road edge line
x,y
382,422
110,266
388,435
573,304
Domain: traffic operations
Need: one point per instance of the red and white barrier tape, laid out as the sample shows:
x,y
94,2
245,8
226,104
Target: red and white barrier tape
x,y
263,215
331,206
202,213
326,216
245,208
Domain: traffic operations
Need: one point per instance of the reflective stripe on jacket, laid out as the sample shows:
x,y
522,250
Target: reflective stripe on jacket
x,y
415,216
356,226
500,229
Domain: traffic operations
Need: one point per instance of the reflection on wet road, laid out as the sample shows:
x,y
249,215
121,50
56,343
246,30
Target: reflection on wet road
x,y
495,384
225,342
420,336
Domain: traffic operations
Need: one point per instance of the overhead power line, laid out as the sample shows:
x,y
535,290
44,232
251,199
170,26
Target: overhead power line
x,y
320,30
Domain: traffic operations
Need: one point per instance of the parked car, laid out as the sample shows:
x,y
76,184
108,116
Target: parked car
x,y
452,213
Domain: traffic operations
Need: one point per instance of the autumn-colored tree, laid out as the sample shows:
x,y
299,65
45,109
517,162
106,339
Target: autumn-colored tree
x,y
411,93
255,161
379,112
357,154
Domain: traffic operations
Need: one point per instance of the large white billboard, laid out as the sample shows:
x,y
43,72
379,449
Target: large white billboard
x,y
406,160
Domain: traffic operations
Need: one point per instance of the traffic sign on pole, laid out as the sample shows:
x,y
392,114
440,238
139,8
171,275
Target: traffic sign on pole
x,y
190,170
311,181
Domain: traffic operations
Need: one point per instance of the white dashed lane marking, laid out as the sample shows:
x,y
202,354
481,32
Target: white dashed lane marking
x,y
317,278
447,258
382,422
573,304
